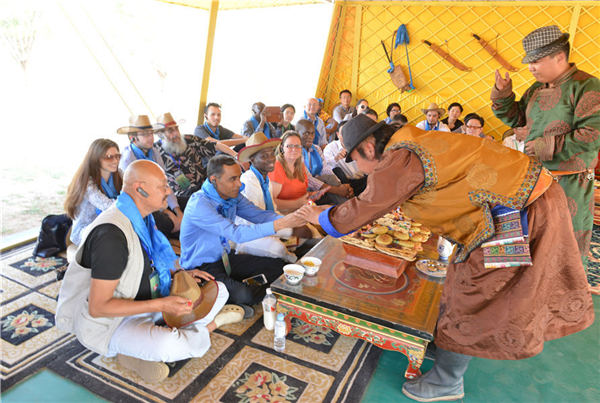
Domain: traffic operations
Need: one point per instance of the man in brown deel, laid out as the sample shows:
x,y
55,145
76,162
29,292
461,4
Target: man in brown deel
x,y
450,183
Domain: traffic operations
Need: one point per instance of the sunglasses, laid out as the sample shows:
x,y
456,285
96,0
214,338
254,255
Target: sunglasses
x,y
115,157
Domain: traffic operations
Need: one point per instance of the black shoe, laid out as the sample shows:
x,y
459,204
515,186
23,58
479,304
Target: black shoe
x,y
248,311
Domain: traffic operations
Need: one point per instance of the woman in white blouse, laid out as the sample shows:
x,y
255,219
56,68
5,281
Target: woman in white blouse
x,y
95,186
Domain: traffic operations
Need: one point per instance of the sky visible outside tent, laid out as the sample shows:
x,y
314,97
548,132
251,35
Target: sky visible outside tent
x,y
73,71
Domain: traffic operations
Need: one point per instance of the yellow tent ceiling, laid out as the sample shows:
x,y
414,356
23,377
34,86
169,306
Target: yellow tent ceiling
x,y
240,4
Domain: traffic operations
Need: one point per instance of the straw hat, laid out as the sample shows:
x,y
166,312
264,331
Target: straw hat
x,y
543,42
166,120
434,107
258,141
203,298
137,124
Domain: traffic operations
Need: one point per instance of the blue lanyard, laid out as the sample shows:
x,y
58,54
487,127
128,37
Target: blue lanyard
x,y
213,134
176,162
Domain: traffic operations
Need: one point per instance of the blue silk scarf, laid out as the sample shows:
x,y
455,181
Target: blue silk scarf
x,y
314,163
139,154
428,126
227,208
266,128
153,241
264,185
109,187
316,123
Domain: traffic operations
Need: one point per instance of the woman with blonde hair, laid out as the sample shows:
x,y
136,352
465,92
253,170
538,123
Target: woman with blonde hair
x,y
289,179
95,186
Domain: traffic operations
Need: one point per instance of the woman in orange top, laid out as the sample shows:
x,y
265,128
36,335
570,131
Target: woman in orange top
x,y
289,179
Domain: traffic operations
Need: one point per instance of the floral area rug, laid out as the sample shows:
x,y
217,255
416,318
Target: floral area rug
x,y
318,365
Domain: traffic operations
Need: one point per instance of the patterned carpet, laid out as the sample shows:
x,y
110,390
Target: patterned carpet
x,y
241,366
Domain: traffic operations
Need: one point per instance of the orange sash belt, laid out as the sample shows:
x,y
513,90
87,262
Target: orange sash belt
x,y
563,173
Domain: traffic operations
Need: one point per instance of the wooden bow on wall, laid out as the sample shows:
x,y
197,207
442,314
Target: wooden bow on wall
x,y
494,53
446,56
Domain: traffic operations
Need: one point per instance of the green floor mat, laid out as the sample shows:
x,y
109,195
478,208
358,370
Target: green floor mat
x,y
46,386
566,371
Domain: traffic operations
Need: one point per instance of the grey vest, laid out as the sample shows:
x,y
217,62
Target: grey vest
x,y
72,310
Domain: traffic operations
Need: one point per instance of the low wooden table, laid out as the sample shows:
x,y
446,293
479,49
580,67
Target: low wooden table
x,y
394,314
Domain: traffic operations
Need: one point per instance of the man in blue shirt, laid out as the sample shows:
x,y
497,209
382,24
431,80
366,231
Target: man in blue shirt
x,y
208,228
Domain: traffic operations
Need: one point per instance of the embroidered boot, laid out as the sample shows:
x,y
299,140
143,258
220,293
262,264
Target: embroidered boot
x,y
443,382
149,371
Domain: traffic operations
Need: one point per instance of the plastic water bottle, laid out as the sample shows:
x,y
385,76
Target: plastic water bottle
x,y
279,339
269,304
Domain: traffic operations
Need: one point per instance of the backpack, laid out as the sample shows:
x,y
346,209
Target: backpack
x,y
53,235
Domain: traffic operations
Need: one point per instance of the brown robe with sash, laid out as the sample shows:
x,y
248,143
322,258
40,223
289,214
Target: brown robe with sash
x,y
504,313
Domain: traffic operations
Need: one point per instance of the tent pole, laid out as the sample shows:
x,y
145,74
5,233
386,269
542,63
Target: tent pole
x,y
210,37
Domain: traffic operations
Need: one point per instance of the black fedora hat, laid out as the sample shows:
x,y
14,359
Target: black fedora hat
x,y
356,130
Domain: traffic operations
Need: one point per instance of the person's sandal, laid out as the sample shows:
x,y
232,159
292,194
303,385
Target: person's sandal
x,y
149,371
229,314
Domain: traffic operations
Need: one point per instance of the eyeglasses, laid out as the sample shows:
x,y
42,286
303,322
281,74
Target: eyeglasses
x,y
296,146
115,157
145,133
474,127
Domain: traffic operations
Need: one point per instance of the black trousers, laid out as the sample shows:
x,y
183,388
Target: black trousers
x,y
242,267
164,223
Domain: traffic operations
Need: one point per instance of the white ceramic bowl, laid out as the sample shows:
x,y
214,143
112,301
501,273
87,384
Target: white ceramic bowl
x,y
311,265
293,273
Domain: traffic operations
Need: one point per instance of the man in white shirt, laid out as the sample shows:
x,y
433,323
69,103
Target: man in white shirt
x,y
260,153
335,158
344,108
432,122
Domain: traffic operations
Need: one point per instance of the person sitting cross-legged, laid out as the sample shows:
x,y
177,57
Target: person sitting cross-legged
x,y
311,114
209,226
260,153
432,122
185,157
94,187
287,115
115,289
141,147
211,129
258,122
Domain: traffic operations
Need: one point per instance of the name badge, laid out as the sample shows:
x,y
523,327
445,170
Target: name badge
x,y
182,180
154,282
225,259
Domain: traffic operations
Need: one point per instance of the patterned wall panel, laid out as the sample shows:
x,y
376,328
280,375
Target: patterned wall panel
x,y
449,25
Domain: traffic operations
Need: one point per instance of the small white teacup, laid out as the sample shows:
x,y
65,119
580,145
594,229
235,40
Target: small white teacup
x,y
293,273
311,264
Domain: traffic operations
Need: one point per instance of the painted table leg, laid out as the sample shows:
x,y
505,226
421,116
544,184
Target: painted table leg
x,y
415,360
413,370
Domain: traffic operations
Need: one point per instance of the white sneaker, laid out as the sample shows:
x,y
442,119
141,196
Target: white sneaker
x,y
229,314
149,371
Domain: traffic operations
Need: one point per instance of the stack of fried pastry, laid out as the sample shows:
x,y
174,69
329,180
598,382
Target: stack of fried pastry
x,y
393,234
